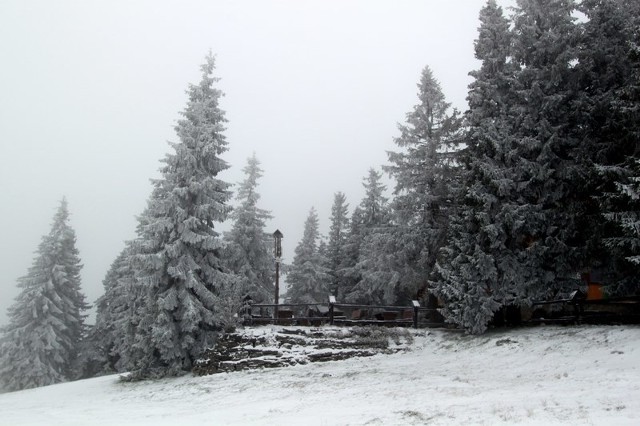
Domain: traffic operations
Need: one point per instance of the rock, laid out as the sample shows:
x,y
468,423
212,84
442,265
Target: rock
x,y
284,347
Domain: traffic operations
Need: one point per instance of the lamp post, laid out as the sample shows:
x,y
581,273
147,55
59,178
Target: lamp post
x,y
277,250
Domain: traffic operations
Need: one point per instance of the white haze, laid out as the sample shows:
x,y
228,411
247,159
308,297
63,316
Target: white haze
x,y
90,92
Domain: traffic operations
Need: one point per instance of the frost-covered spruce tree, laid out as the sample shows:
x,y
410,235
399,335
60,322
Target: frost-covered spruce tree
x,y
370,218
426,170
323,250
348,273
336,246
382,268
427,182
40,344
374,207
479,268
308,278
250,253
178,263
126,323
550,176
608,65
625,209
107,341
519,237
627,216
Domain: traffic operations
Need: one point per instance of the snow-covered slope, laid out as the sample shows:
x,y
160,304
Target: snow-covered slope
x,y
541,376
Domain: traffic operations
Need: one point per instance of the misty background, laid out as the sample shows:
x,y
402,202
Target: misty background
x,y
91,91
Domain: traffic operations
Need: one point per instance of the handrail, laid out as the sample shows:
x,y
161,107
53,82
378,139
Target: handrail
x,y
579,301
272,305
331,316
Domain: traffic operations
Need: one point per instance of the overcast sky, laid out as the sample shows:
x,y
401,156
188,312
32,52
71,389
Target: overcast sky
x,y
90,92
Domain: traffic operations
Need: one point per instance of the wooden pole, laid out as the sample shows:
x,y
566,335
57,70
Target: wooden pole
x,y
416,307
332,301
277,295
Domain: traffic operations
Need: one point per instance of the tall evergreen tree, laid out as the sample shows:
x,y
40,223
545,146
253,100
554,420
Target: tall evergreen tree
x,y
374,207
627,217
550,181
519,237
349,274
336,246
249,245
126,318
552,145
370,217
308,277
480,264
608,64
177,259
40,344
108,340
427,181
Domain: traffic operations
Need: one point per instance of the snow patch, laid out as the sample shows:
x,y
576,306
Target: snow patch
x,y
533,376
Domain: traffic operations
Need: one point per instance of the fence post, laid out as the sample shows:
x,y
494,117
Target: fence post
x,y
577,298
416,306
578,309
332,302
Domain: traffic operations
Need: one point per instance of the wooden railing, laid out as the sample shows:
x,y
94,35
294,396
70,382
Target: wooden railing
x,y
598,311
333,313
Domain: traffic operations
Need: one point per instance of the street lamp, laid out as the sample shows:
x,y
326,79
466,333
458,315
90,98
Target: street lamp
x,y
277,251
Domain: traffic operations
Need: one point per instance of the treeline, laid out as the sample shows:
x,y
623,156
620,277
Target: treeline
x,y
170,291
509,202
539,180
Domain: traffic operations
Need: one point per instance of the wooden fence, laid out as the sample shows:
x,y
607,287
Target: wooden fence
x,y
577,309
333,313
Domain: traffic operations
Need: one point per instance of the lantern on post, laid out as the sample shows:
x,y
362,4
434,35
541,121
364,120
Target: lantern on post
x,y
277,237
277,251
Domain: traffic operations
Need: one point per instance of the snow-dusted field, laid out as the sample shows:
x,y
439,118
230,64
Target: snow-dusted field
x,y
541,376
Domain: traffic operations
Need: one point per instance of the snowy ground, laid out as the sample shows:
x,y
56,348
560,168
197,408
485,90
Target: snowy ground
x,y
536,376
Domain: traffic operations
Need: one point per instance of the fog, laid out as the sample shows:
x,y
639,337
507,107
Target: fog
x,y
90,92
